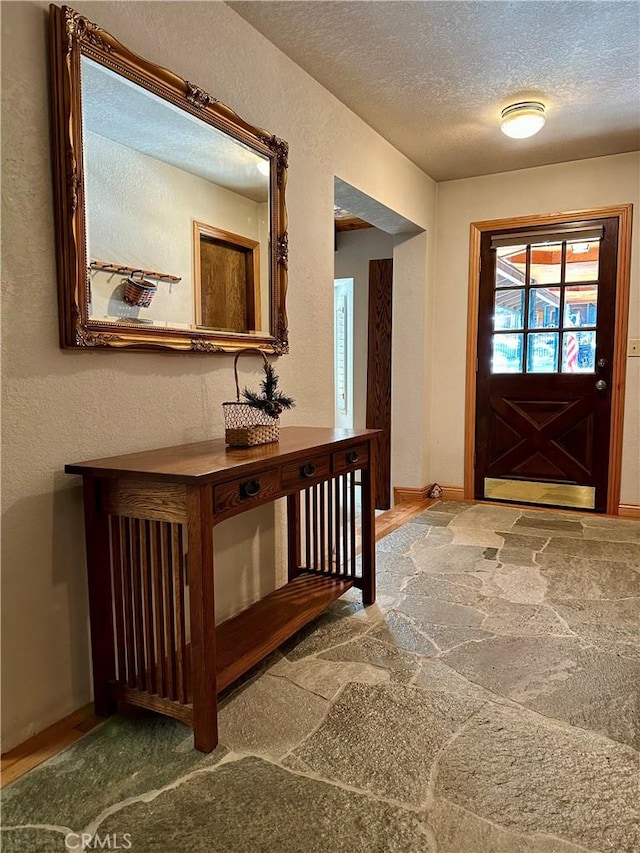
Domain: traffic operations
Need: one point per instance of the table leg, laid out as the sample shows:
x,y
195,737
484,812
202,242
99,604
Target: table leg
x,y
368,531
100,598
202,613
293,536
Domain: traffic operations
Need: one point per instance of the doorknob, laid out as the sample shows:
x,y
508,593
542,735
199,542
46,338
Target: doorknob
x,y
601,385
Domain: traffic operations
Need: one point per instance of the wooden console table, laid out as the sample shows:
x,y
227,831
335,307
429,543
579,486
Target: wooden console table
x,y
149,520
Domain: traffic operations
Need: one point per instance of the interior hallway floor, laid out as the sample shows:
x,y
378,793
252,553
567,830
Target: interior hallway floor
x,y
488,703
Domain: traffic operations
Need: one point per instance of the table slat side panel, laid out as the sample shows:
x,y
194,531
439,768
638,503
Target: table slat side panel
x,y
181,652
328,523
115,530
159,609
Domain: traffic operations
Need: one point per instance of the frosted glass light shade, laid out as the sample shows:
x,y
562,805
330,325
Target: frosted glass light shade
x,y
523,119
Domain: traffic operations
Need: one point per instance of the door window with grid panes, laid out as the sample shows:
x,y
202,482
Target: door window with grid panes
x,y
545,306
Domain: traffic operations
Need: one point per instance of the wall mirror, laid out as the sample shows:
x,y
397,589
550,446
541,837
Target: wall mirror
x,y
171,223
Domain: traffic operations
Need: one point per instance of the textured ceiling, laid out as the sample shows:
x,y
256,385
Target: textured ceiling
x,y
432,77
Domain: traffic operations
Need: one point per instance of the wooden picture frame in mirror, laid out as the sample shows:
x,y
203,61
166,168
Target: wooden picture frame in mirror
x,y
141,159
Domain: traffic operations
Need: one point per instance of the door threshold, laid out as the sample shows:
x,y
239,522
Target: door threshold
x,y
540,493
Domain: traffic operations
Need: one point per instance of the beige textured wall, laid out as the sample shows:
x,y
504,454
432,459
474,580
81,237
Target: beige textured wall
x,y
411,368
568,186
62,406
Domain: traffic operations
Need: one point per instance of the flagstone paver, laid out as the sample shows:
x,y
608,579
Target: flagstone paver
x,y
487,703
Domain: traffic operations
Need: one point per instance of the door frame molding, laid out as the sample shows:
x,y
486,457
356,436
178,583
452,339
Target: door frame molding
x,y
624,214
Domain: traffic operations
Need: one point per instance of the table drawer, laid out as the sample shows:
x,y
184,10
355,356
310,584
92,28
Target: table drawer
x,y
350,459
246,490
306,471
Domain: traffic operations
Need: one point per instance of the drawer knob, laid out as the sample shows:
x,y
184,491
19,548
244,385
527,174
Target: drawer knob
x,y
352,456
250,489
308,470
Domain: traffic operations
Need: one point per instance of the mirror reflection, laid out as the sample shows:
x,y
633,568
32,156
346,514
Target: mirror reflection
x,y
177,214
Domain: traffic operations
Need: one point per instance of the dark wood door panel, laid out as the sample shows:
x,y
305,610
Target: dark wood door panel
x,y
559,448
552,426
379,373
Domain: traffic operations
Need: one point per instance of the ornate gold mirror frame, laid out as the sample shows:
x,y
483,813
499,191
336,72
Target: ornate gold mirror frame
x,y
72,38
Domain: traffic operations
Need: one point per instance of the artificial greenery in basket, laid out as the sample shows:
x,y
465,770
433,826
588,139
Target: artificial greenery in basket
x,y
256,420
271,401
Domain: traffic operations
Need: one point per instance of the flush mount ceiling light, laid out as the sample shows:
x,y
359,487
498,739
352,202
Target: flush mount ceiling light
x,y
523,119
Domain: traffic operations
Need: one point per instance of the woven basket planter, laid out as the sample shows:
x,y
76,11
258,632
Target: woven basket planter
x,y
139,292
244,425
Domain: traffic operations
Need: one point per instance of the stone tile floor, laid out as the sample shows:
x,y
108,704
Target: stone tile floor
x,y
488,703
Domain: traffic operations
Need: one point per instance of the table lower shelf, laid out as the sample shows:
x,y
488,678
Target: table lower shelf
x,y
248,637
245,639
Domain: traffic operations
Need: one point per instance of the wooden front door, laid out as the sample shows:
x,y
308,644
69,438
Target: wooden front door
x,y
545,351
